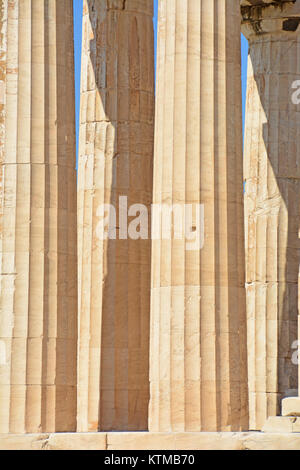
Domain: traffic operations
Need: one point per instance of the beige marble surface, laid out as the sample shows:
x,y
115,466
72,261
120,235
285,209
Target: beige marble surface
x,y
115,160
272,194
153,441
198,372
38,284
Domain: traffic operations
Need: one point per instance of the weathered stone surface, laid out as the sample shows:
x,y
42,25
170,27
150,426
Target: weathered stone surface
x,y
173,441
263,3
152,441
61,441
281,16
281,424
115,159
198,325
271,441
75,441
291,406
38,289
272,194
198,337
23,441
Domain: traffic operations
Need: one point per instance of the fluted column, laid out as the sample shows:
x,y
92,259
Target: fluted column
x,y
38,290
291,405
116,154
198,339
272,194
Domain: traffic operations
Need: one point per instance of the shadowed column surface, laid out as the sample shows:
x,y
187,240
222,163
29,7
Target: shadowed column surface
x,y
272,194
116,155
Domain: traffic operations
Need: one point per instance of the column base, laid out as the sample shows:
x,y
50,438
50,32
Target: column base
x,y
274,440
289,421
282,424
291,406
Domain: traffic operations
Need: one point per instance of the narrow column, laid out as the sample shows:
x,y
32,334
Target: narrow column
x,y
291,405
116,169
272,194
198,371
38,290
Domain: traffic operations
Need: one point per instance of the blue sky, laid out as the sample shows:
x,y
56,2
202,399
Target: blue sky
x,y
78,31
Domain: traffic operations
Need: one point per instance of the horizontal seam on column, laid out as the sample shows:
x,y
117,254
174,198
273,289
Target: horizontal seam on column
x,y
141,90
94,121
141,13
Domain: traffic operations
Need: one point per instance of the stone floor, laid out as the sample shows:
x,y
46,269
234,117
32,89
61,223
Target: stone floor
x,y
152,441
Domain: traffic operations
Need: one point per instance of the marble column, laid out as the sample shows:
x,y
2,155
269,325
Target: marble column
x,y
198,371
272,194
116,161
291,405
38,289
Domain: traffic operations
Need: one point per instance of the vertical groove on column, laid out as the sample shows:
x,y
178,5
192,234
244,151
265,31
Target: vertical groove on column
x,y
193,393
38,378
116,152
272,218
67,288
198,372
6,282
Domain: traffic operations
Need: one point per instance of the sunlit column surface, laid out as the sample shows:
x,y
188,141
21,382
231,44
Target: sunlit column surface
x,y
38,289
198,371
